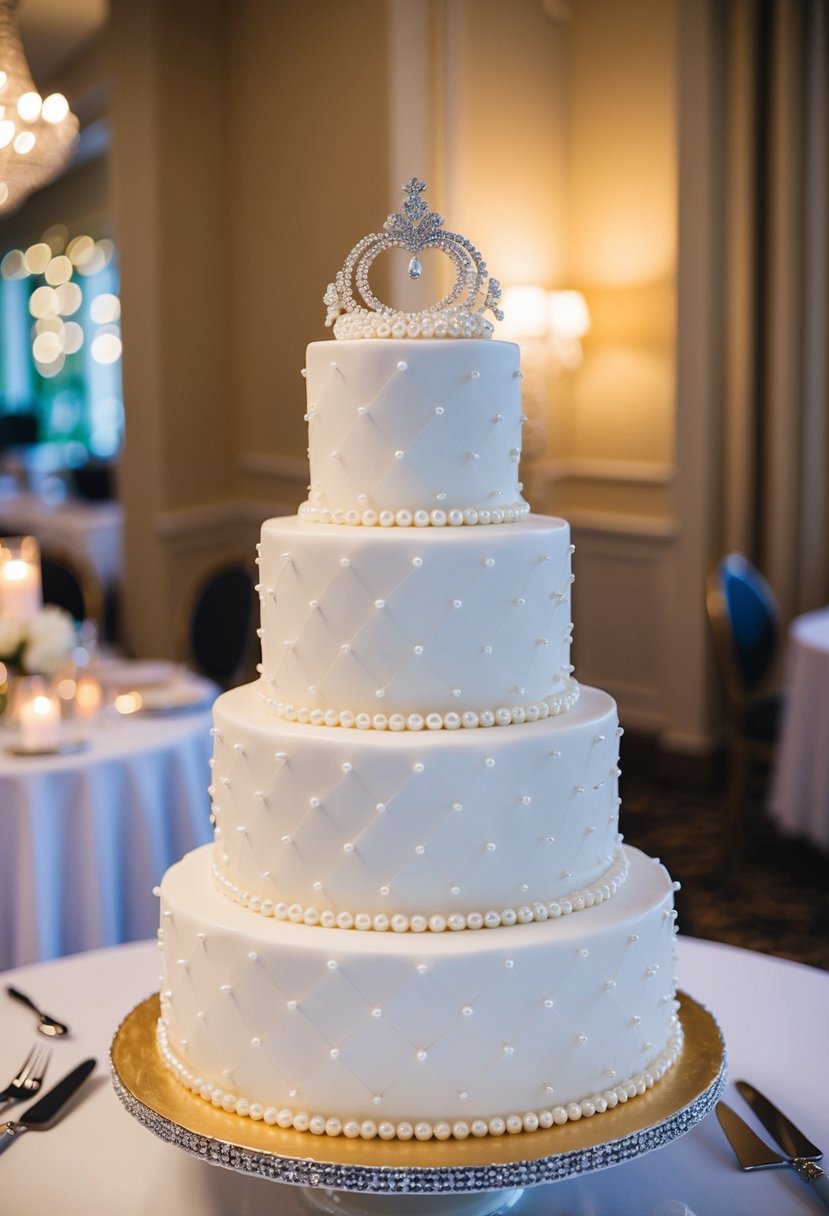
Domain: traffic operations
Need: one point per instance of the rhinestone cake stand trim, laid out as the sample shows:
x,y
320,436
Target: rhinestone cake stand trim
x,y
683,1099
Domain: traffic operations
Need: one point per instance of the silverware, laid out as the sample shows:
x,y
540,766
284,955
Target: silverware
x,y
790,1138
754,1154
29,1077
47,1025
44,1113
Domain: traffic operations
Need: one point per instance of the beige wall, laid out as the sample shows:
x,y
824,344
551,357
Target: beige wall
x,y
255,141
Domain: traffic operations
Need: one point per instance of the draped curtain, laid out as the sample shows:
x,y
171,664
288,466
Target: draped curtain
x,y
773,57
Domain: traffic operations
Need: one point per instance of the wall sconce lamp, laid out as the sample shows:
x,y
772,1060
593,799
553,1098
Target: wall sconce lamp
x,y
558,318
549,326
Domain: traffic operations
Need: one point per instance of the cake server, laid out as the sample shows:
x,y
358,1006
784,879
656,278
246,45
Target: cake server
x,y
44,1113
790,1138
754,1154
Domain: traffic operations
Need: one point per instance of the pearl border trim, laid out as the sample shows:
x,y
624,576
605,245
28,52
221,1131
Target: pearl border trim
x,y
575,901
422,517
442,1129
468,719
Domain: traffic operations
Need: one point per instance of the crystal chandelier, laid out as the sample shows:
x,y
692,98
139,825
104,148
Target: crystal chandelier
x,y
37,134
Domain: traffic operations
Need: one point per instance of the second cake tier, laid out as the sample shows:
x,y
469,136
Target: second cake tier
x,y
434,830
403,622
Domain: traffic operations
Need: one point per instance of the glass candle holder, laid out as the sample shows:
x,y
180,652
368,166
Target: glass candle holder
x,y
21,594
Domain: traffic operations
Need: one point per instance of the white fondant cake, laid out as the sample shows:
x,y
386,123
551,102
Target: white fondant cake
x,y
409,621
415,798
447,1030
414,824
411,426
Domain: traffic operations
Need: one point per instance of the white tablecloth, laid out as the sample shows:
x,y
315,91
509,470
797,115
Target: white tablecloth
x,y
800,785
91,530
99,1160
85,837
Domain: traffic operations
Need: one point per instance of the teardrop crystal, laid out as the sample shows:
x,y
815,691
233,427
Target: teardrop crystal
x,y
415,269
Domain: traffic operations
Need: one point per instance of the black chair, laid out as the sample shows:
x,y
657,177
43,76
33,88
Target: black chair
x,y
220,623
745,622
71,583
19,430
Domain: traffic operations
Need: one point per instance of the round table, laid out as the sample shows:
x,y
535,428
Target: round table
x,y
99,1159
85,837
799,798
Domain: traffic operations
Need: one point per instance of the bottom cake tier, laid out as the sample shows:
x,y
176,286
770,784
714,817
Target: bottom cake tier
x,y
384,1034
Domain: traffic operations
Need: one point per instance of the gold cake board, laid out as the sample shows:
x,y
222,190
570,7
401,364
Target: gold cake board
x,y
686,1094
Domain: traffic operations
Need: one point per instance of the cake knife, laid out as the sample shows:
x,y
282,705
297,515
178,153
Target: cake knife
x,y
754,1154
44,1113
790,1138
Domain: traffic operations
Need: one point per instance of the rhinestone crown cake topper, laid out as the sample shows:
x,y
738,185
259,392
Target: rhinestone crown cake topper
x,y
459,314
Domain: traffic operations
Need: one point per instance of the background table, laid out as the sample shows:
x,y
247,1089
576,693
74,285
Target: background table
x,y
85,837
91,530
799,798
99,1160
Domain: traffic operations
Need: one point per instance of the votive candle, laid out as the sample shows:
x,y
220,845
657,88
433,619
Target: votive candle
x,y
40,722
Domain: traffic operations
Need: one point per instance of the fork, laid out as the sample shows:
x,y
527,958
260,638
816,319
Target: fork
x,y
28,1078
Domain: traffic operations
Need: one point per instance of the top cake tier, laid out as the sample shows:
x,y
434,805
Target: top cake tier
x,y
414,432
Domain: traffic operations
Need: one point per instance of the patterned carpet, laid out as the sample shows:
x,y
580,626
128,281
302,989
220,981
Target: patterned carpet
x,y
776,897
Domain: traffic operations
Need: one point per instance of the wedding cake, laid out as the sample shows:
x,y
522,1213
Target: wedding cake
x,y
417,917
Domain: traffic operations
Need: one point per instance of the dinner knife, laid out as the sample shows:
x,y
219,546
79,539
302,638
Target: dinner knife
x,y
790,1138
754,1154
44,1113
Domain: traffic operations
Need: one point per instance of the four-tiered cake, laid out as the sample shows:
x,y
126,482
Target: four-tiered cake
x,y
417,917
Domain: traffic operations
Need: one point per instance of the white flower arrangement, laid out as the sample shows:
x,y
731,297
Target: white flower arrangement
x,y
40,645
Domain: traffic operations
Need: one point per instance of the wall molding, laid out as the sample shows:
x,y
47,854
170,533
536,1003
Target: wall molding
x,y
207,523
275,464
584,468
662,529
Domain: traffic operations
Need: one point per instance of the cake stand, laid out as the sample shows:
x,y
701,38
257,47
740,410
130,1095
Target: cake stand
x,y
412,1178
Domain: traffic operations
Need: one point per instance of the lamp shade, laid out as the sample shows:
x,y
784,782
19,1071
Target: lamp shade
x,y
569,315
37,134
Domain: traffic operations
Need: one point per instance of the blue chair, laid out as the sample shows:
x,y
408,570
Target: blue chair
x,y
745,622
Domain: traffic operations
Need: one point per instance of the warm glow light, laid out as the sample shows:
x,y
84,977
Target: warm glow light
x,y
91,261
525,312
24,142
40,722
13,265
29,106
66,689
106,348
16,570
44,302
88,697
69,297
38,257
48,325
37,137
46,348
49,370
79,248
72,337
55,108
569,315
59,270
104,308
128,702
20,586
